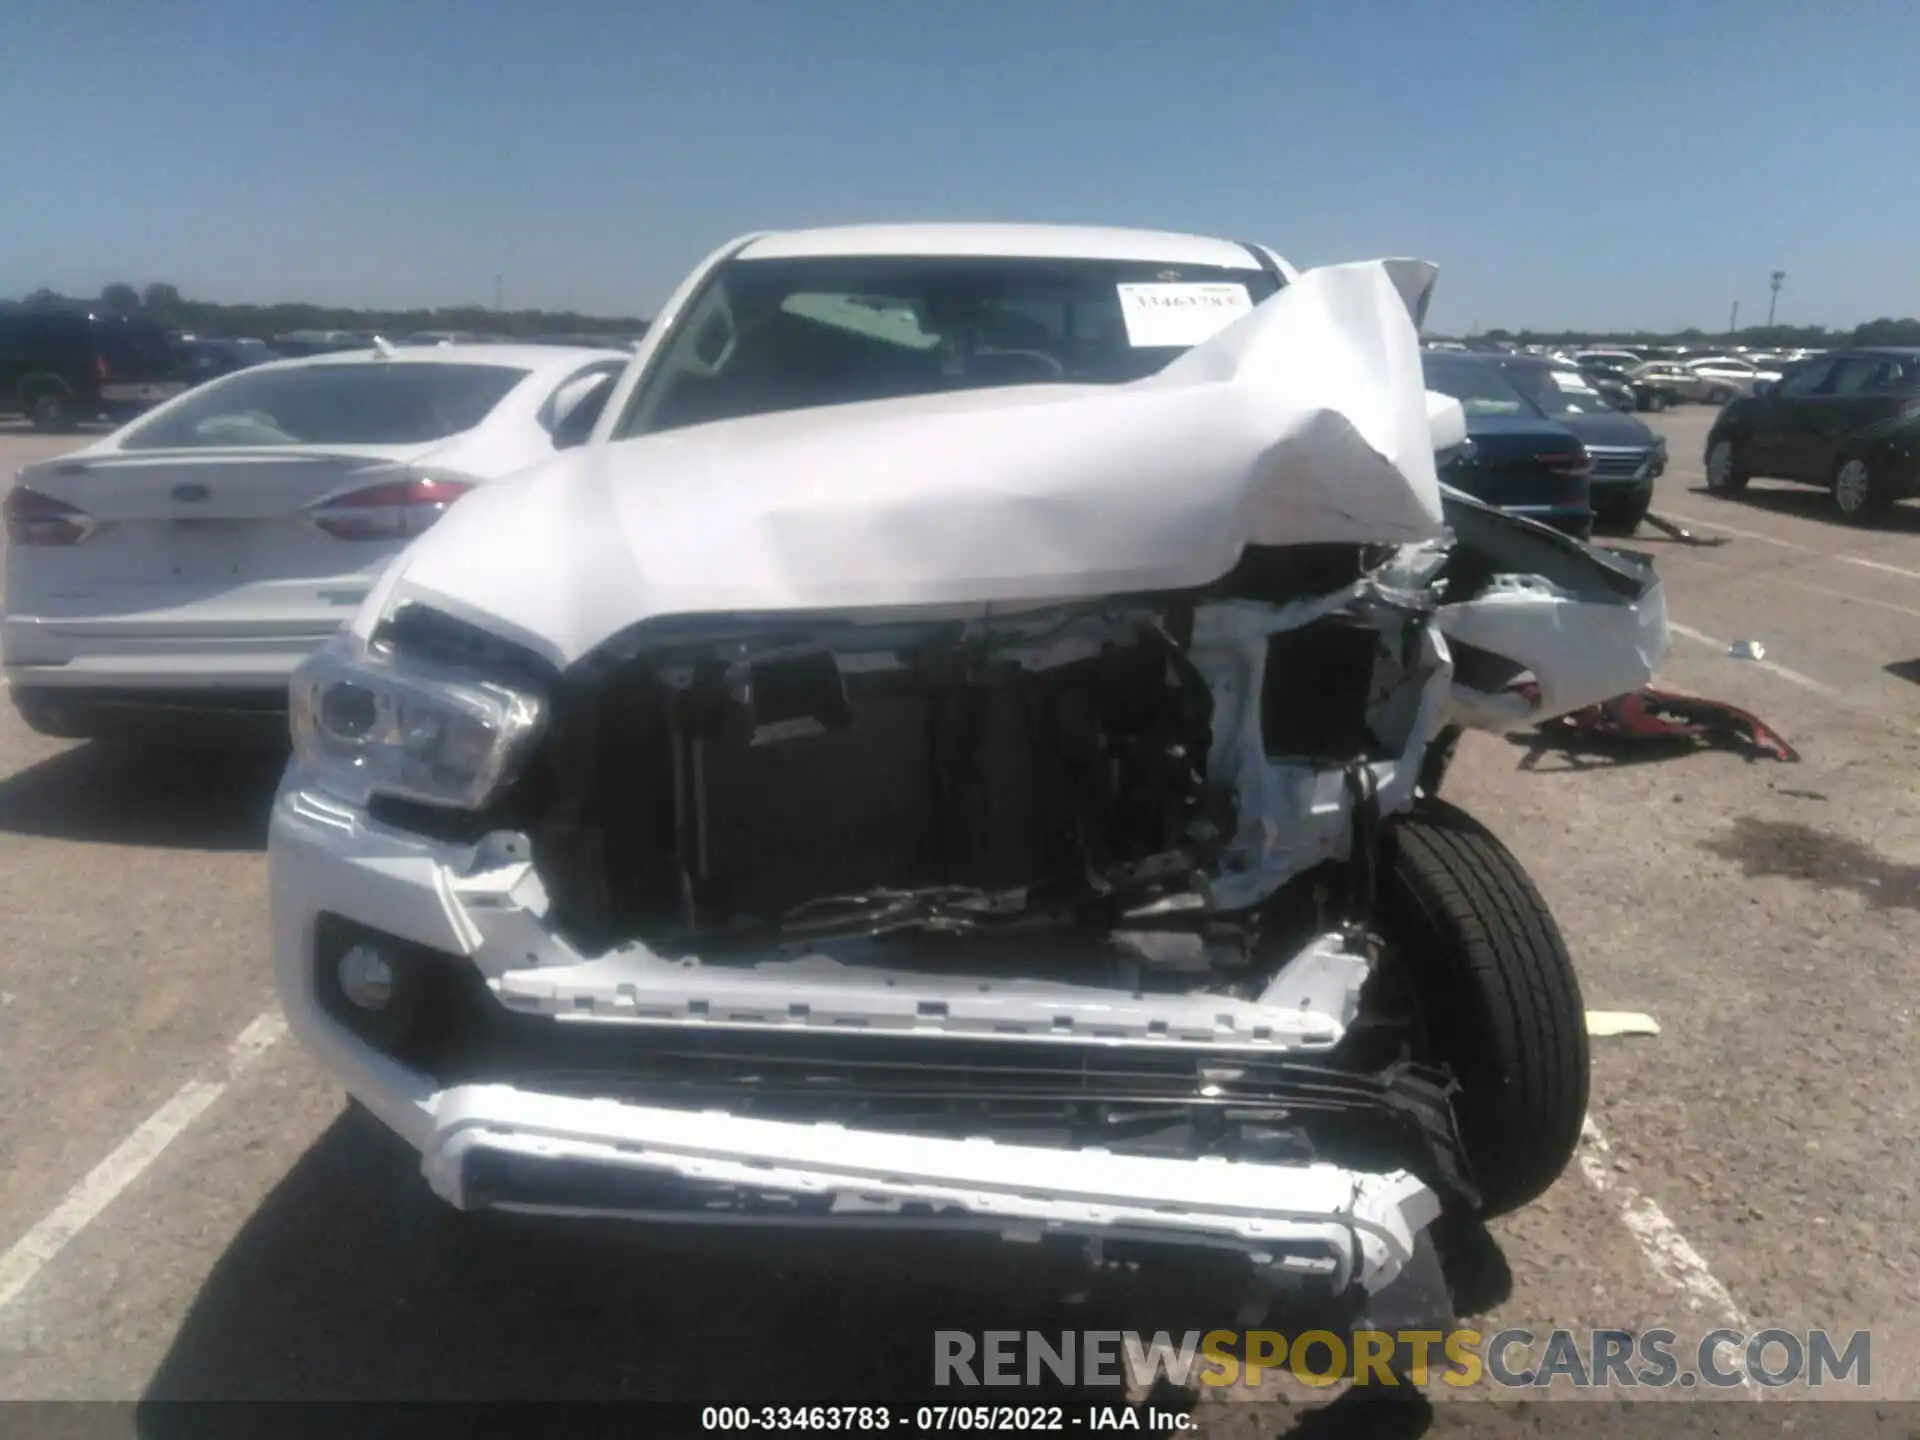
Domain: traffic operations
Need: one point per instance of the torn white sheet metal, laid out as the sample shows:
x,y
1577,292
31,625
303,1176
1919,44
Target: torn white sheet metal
x,y
1581,650
1305,422
1338,1212
1306,1008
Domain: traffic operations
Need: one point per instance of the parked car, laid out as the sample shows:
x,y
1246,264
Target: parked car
x,y
1849,422
1626,457
204,358
299,344
841,792
1611,384
174,573
1619,359
1516,457
1717,379
59,368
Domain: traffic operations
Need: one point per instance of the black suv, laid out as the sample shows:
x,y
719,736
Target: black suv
x,y
60,367
1849,423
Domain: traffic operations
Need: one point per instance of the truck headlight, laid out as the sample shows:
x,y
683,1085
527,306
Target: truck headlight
x,y
368,721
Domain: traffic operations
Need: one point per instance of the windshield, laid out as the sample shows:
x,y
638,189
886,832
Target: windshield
x,y
331,404
770,335
1558,392
1479,387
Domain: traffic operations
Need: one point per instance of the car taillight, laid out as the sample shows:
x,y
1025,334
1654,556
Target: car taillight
x,y
1575,465
397,510
36,519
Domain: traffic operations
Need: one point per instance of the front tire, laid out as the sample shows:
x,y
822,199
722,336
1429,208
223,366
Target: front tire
x,y
1726,474
1498,1000
1657,400
1857,492
1624,518
51,409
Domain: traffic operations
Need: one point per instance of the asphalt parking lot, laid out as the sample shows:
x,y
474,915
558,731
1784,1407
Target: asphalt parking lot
x,y
191,1214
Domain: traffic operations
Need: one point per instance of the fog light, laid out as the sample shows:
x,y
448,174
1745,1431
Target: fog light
x,y
366,977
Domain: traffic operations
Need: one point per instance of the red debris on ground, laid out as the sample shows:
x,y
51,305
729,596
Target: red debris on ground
x,y
1651,714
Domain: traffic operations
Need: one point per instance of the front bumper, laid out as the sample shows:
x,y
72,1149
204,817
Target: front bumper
x,y
546,1142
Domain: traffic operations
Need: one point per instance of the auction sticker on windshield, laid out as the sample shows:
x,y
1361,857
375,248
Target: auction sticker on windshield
x,y
1172,314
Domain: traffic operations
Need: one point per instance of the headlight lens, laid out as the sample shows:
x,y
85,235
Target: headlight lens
x,y
367,721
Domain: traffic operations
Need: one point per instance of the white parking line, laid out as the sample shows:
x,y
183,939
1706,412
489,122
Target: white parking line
x,y
1843,595
1660,1240
108,1180
1743,534
1862,560
1880,565
1819,687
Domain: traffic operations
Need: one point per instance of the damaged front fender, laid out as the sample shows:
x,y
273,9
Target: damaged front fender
x,y
1519,599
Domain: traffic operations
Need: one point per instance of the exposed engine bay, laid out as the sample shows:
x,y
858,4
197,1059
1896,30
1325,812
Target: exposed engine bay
x,y
1150,824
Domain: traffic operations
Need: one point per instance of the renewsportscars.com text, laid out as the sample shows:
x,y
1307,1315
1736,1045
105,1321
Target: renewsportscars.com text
x,y
1507,1359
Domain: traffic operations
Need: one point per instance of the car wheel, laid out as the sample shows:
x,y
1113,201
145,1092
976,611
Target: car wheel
x,y
1496,998
1857,493
1725,474
1624,518
45,713
1657,400
1719,395
50,409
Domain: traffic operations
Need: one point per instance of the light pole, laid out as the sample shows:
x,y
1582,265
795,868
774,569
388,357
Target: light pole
x,y
1774,283
499,295
1733,321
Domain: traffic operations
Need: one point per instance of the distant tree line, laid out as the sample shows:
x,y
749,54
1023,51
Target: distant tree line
x,y
1760,337
166,306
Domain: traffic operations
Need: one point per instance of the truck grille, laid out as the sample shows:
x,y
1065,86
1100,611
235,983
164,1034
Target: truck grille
x,y
1616,464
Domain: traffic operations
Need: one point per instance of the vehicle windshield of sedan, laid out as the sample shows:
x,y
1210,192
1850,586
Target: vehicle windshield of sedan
x,y
376,403
774,335
1479,387
1559,392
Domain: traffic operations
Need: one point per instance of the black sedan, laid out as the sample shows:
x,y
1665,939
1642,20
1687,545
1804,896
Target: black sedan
x,y
1848,422
1626,456
1515,457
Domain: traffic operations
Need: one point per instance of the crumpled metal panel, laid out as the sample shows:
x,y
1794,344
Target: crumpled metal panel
x,y
1305,422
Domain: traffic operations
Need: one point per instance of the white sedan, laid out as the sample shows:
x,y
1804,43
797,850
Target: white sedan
x,y
1719,378
184,565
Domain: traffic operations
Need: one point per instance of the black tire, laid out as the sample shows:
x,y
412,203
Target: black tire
x,y
1733,477
1858,492
1624,518
1719,396
1497,998
45,714
51,408
1657,400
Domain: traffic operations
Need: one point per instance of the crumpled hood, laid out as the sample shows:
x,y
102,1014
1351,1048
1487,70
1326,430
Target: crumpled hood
x,y
1305,422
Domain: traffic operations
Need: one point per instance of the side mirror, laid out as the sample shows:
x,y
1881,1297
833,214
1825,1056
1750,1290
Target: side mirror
x,y
1446,421
577,413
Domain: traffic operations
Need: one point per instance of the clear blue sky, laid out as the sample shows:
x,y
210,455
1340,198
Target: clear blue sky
x,y
1592,164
